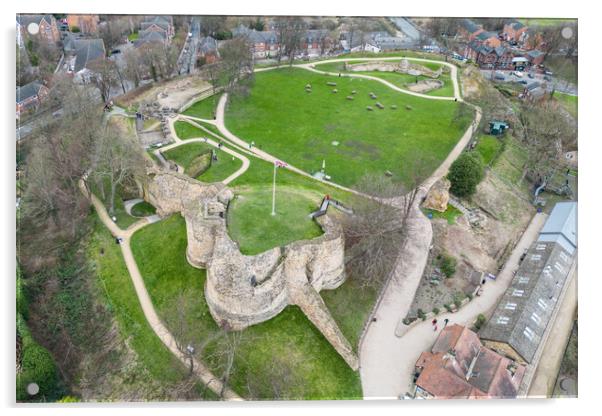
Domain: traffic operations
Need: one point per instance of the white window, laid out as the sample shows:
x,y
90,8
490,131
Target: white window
x,y
528,332
523,279
510,306
542,304
503,320
536,257
558,267
564,257
535,318
540,247
518,292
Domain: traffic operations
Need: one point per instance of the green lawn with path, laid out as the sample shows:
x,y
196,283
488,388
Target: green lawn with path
x,y
251,224
317,371
300,127
220,169
398,79
186,130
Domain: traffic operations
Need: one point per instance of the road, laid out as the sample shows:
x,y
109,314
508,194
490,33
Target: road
x,y
187,60
556,84
387,362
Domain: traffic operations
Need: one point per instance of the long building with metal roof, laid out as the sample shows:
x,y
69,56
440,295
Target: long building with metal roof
x,y
519,322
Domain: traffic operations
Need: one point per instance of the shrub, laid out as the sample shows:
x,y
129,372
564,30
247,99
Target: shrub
x,y
37,367
436,311
458,297
448,307
448,265
75,29
480,321
465,174
143,209
421,314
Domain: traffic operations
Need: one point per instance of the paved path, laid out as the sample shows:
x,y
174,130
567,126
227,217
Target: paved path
x,y
202,372
387,363
453,75
128,205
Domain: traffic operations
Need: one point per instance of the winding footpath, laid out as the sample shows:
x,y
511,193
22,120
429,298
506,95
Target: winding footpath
x,y
383,368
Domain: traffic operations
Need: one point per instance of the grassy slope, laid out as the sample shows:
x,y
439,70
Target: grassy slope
x,y
570,102
251,224
160,252
299,127
489,148
143,209
184,155
204,108
220,169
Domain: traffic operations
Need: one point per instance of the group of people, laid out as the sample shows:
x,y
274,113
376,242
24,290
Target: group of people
x,y
435,326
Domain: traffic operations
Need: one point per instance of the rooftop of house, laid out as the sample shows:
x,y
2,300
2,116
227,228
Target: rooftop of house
x,y
28,90
459,366
208,44
26,19
150,36
161,25
470,26
515,24
86,51
526,308
487,35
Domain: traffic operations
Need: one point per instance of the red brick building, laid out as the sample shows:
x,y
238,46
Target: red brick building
x,y
460,367
46,27
86,23
469,30
30,96
514,31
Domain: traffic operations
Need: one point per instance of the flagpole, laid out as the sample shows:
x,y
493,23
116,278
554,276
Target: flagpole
x,y
274,191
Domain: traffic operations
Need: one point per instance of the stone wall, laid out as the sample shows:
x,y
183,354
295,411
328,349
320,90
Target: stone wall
x,y
244,290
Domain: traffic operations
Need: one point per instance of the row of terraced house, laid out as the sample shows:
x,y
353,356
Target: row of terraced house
x,y
516,47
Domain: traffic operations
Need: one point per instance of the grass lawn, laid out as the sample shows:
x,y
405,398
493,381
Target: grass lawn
x,y
489,147
122,300
204,108
186,130
251,224
124,220
143,209
317,371
184,155
396,78
133,36
542,23
570,102
219,170
450,214
299,127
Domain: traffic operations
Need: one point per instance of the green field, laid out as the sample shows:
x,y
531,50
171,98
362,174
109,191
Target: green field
x,y
396,78
543,23
143,209
204,108
450,214
185,154
300,127
287,341
251,224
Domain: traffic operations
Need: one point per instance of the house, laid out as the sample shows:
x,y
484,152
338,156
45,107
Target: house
x,y
208,49
264,44
489,39
535,57
149,37
85,52
497,128
468,30
46,26
489,57
460,367
29,96
532,40
86,23
517,328
155,30
514,31
534,91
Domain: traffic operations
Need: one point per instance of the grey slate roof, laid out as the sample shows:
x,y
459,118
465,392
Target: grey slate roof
x,y
27,91
515,24
161,24
561,226
26,19
486,35
469,25
525,310
208,44
86,51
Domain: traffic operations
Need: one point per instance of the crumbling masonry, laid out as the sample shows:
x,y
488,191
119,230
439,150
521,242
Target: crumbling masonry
x,y
245,290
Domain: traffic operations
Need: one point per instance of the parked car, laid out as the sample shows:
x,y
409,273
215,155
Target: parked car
x,y
523,81
499,75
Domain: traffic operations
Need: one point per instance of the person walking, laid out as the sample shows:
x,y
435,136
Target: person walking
x,y
434,321
435,329
445,322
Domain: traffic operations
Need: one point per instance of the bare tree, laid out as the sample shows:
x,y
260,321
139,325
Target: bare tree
x,y
377,230
133,69
236,66
290,35
105,76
